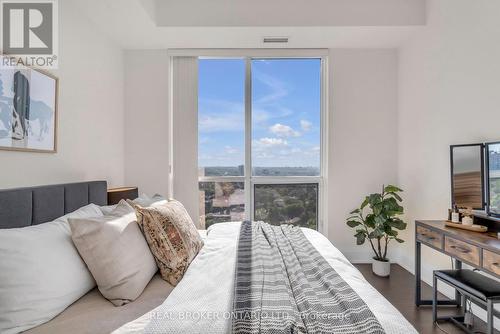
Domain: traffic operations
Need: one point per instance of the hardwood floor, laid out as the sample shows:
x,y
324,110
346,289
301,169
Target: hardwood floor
x,y
399,289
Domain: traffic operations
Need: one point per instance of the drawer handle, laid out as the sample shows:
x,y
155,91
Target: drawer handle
x,y
495,264
460,249
427,237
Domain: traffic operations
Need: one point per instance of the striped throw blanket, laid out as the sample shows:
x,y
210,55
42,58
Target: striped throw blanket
x,y
284,285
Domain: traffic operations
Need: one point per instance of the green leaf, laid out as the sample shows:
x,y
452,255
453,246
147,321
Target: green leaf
x,y
370,220
360,239
365,203
392,189
391,205
393,213
396,196
380,220
353,223
374,199
392,233
397,223
360,231
355,211
399,240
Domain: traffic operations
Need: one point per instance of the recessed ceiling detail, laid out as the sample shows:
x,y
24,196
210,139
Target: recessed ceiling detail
x,y
135,24
288,13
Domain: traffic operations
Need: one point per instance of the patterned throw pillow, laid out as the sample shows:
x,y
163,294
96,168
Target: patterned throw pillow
x,y
171,235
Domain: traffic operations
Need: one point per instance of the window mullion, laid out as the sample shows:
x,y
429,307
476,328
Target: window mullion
x,y
248,139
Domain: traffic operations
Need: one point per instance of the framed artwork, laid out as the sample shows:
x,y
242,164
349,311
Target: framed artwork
x,y
28,110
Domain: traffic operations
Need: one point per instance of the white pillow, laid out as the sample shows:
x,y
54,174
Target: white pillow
x,y
121,209
145,201
106,209
41,272
90,210
116,253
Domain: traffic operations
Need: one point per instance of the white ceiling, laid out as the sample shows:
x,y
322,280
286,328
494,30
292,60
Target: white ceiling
x,y
276,13
143,24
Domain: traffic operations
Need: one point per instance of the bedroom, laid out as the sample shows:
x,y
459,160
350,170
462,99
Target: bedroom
x,y
384,88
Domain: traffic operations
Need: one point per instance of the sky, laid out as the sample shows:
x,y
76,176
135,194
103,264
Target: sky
x,y
285,112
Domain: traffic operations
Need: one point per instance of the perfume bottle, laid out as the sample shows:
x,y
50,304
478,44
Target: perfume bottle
x,y
455,215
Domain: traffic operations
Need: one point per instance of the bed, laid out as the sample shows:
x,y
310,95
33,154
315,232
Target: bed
x,y
201,303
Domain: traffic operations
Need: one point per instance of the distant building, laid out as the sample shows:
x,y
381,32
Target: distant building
x,y
494,161
201,202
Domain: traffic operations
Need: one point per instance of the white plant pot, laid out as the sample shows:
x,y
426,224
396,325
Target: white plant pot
x,y
381,268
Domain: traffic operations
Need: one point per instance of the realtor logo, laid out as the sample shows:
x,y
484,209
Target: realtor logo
x,y
29,32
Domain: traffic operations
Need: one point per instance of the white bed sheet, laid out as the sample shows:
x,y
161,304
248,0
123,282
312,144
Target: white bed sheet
x,y
202,301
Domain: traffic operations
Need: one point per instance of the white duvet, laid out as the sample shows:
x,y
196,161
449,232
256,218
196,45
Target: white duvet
x,y
202,301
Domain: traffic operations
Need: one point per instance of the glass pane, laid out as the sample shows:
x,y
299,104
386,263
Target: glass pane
x,y
286,104
221,202
295,204
494,176
467,181
221,117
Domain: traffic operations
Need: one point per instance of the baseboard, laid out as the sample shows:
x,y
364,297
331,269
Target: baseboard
x,y
358,257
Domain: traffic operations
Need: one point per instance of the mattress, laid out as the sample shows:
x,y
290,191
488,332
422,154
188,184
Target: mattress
x,y
202,301
94,314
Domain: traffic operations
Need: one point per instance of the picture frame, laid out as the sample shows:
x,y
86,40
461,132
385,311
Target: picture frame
x,y
28,110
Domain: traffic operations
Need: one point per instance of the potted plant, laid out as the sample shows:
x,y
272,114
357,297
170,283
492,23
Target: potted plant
x,y
377,220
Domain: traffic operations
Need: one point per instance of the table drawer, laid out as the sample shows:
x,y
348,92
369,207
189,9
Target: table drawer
x,y
429,237
491,261
462,250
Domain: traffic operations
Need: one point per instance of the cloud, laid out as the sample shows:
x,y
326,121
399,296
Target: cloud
x,y
305,125
221,115
277,88
230,150
267,142
284,131
268,148
272,103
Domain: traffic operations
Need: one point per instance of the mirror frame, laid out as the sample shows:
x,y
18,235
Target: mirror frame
x,y
483,188
486,145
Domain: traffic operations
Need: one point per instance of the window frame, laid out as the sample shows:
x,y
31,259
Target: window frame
x,y
248,179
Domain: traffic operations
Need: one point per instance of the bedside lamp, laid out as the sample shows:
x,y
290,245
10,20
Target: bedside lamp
x,y
115,195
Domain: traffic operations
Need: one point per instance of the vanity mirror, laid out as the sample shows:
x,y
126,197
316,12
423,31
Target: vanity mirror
x,y
467,176
493,178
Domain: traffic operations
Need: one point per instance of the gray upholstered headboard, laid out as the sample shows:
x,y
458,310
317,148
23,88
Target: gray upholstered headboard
x,y
22,207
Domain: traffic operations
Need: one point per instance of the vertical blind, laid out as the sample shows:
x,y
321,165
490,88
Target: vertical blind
x,y
184,109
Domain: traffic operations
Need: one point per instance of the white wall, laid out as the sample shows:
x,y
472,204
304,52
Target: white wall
x,y
146,120
449,84
363,137
91,120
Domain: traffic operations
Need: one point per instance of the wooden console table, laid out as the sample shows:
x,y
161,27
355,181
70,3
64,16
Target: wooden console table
x,y
479,250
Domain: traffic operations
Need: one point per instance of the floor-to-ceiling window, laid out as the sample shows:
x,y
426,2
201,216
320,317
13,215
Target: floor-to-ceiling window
x,y
260,140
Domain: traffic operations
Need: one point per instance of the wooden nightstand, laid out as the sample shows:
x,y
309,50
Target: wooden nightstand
x,y
117,194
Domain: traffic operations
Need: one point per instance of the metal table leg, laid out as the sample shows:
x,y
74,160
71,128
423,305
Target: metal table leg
x,y
418,281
